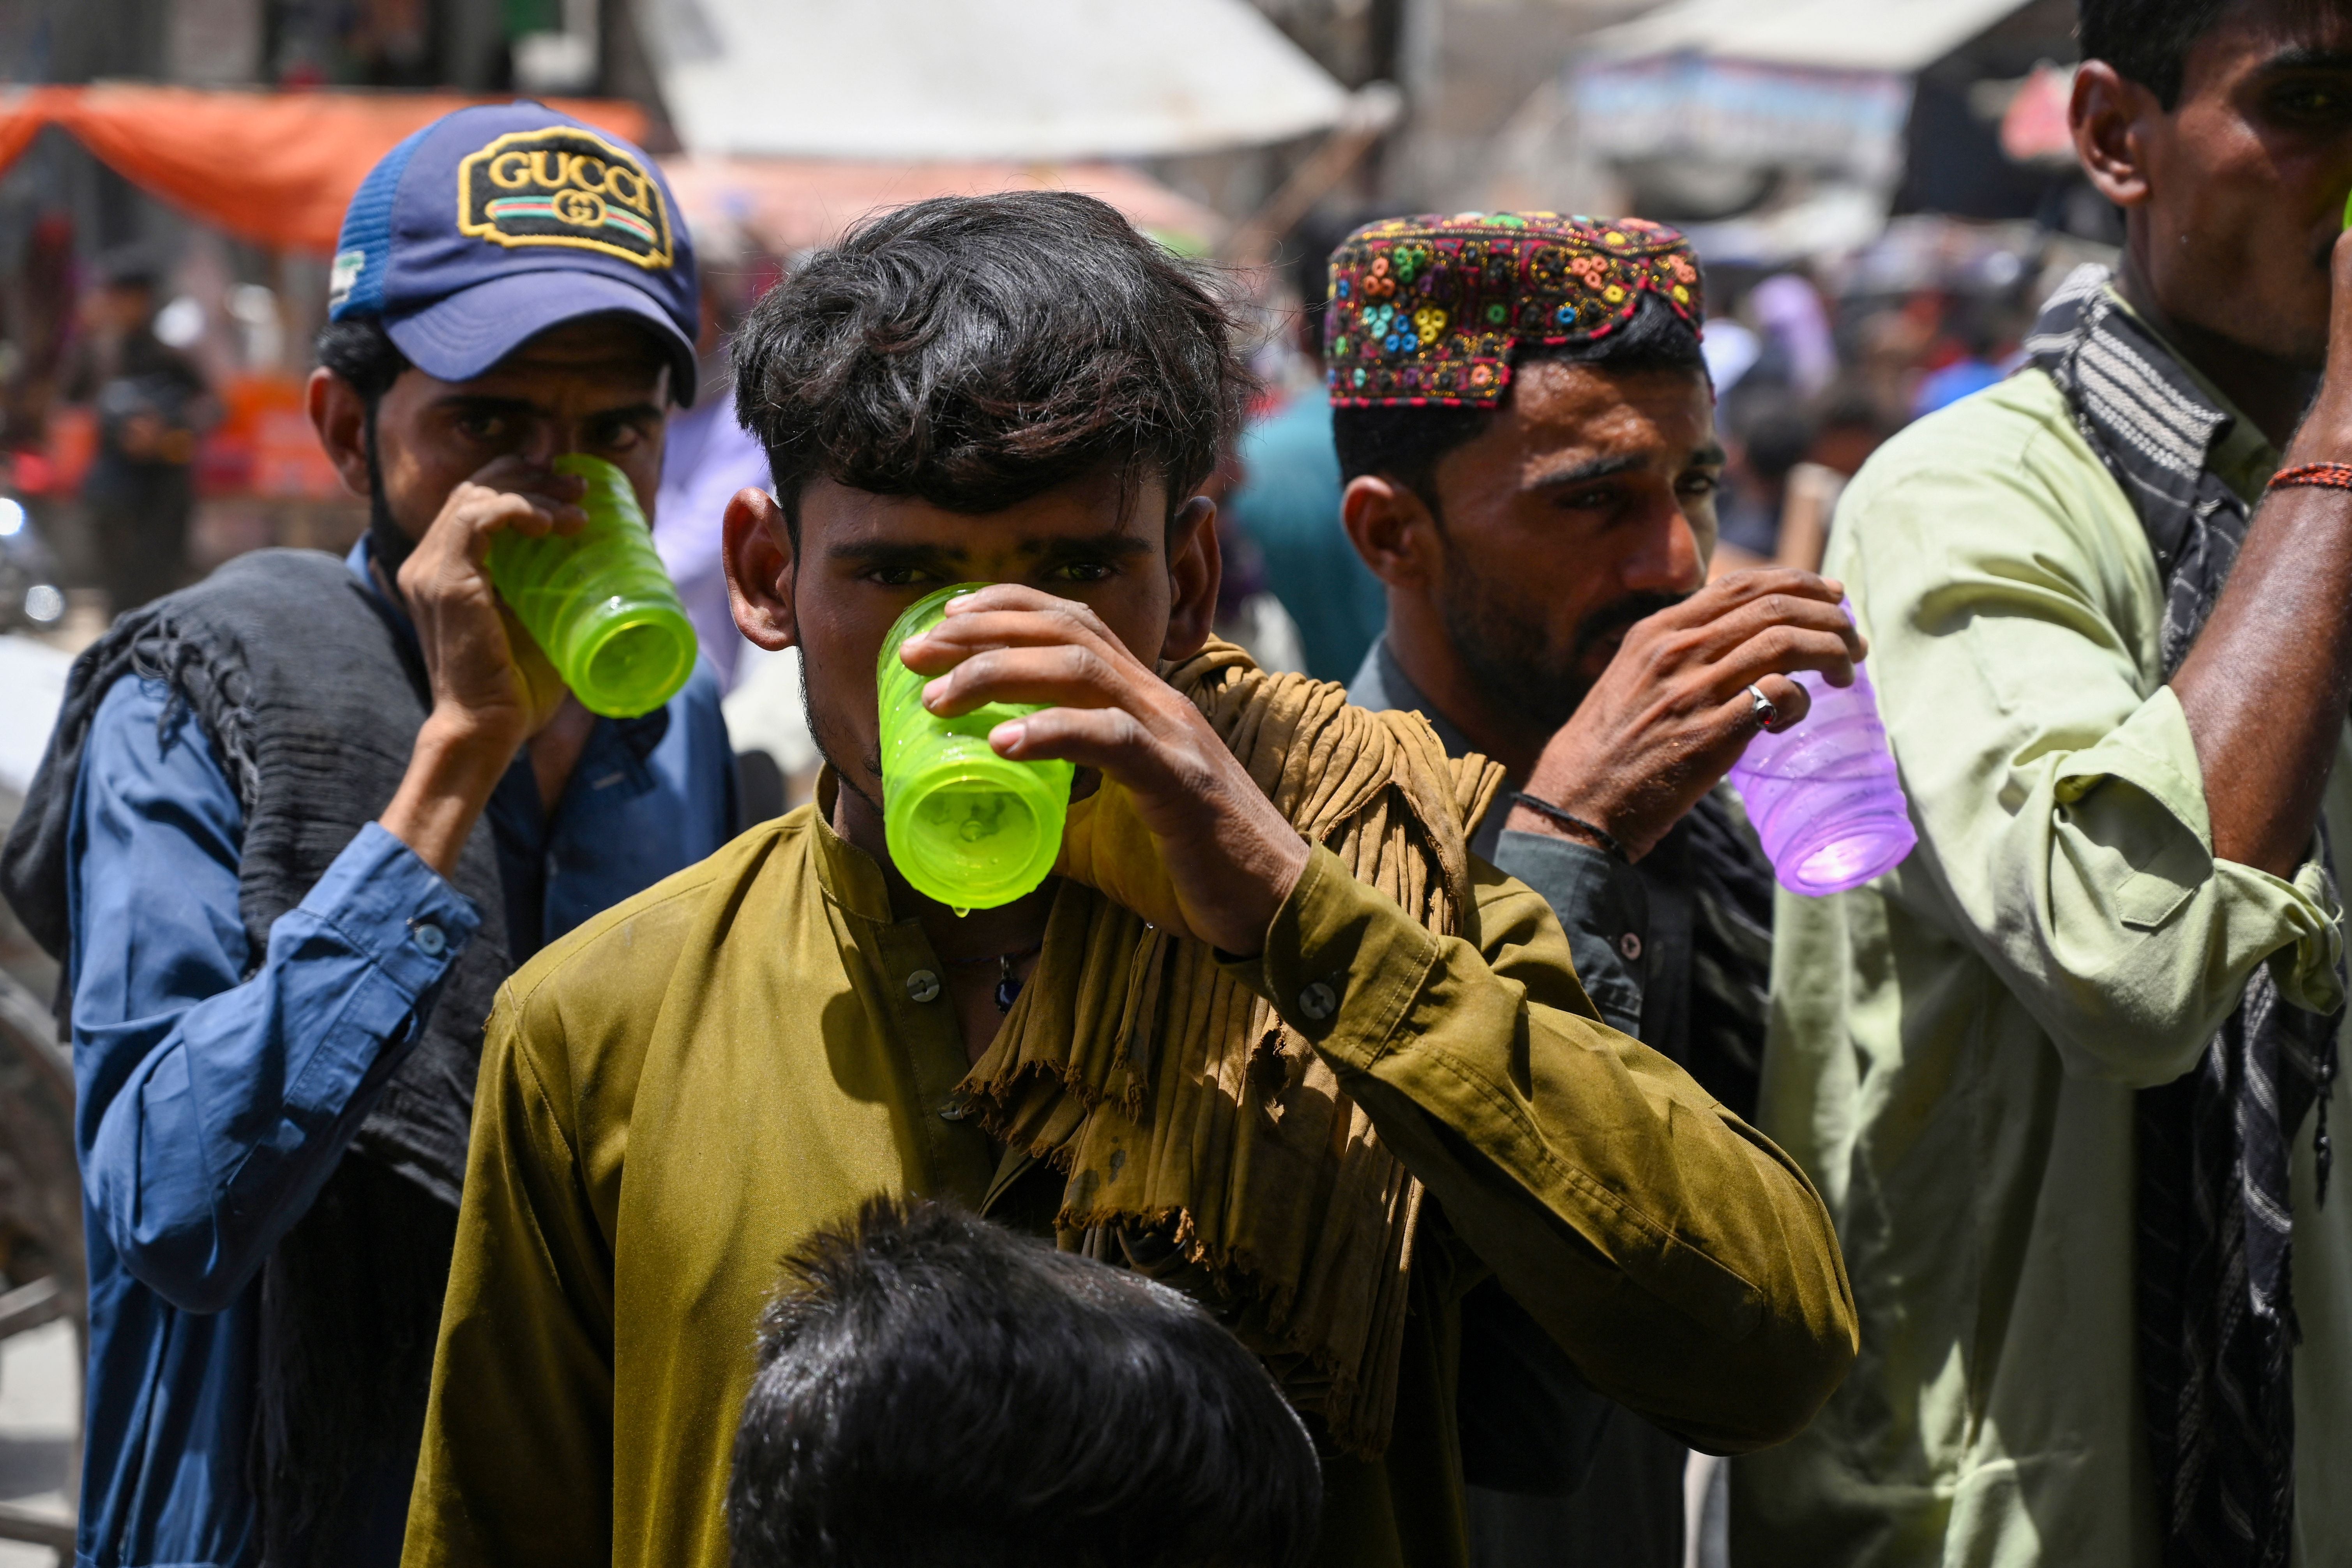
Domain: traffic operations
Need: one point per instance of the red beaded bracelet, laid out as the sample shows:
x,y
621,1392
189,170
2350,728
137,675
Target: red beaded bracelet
x,y
2326,475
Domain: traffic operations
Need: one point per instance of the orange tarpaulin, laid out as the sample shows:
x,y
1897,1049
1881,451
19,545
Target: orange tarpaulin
x,y
275,168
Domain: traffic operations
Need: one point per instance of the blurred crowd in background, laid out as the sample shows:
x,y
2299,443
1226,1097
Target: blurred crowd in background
x,y
1879,200
1880,204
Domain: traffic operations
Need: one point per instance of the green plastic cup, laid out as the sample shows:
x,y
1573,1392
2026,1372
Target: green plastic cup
x,y
599,603
966,827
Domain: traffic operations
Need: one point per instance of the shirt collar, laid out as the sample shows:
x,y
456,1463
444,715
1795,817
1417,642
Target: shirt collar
x,y
2240,456
1382,683
850,876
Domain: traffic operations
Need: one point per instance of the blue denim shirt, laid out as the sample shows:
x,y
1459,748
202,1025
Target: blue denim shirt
x,y
212,1107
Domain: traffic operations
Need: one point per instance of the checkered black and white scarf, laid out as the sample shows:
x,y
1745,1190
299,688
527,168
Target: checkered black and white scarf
x,y
2217,1324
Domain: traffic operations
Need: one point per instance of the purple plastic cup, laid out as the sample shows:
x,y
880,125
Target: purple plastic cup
x,y
1823,796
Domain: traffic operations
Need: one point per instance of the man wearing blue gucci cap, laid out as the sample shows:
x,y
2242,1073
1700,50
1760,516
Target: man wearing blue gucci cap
x,y
299,821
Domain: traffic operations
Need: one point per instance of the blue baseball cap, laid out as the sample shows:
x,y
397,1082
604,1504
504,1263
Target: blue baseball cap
x,y
493,224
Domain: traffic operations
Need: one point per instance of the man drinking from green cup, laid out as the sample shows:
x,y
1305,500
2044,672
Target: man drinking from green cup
x,y
1273,1035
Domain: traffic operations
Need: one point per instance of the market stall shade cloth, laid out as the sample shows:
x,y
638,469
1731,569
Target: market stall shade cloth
x,y
275,169
949,80
1902,35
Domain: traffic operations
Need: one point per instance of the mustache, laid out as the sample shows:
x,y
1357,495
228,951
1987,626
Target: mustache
x,y
1619,616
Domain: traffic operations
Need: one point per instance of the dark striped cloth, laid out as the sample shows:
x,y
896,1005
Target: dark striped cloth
x,y
2217,1324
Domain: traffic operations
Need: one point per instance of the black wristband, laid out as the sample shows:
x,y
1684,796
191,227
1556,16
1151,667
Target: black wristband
x,y
1569,819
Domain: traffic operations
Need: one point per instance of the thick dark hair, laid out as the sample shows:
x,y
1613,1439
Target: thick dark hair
x,y
2148,41
1404,444
362,353
978,350
934,1392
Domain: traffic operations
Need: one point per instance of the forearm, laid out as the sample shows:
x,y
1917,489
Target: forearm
x,y
454,768
1687,1267
2266,688
1728,1359
230,1110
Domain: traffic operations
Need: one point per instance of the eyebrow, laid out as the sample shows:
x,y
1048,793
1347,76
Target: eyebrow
x,y
490,402
2309,56
487,403
1114,543
633,412
888,553
1584,473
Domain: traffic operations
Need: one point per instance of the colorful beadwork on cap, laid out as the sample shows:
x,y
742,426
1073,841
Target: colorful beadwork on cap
x,y
1426,311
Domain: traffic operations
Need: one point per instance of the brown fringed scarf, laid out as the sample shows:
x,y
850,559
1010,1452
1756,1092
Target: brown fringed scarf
x,y
1205,1142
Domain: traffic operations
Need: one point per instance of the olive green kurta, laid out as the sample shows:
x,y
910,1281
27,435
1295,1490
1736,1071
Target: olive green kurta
x,y
687,1086
1954,1046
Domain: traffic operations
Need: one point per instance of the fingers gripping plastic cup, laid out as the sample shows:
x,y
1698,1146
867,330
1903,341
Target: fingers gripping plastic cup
x,y
599,603
966,827
1823,796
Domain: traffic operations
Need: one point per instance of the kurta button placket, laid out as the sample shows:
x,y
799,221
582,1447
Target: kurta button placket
x,y
1630,944
923,985
1318,1002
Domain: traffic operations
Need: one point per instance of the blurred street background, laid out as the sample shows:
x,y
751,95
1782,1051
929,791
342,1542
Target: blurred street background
x,y
1881,191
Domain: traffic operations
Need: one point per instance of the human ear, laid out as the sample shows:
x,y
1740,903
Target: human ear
x,y
1390,527
338,415
757,551
2106,115
1195,568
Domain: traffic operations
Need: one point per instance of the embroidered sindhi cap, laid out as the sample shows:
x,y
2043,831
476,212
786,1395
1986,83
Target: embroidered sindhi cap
x,y
492,224
1424,312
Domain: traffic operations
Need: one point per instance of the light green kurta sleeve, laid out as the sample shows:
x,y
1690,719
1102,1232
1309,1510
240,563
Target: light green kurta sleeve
x,y
2054,780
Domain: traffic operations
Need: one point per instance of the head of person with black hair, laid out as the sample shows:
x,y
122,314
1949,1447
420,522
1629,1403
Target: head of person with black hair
x,y
124,303
1526,428
1306,258
2223,130
933,1390
1023,392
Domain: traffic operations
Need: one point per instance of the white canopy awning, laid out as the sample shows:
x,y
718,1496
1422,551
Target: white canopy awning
x,y
788,205
1898,36
974,79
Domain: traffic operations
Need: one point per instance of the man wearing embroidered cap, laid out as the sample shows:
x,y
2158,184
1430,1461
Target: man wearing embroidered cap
x,y
1526,428
297,822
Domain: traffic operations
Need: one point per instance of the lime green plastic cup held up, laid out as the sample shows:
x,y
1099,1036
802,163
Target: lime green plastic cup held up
x,y
966,827
599,603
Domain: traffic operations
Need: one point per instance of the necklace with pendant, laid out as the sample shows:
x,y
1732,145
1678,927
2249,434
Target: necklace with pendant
x,y
1008,983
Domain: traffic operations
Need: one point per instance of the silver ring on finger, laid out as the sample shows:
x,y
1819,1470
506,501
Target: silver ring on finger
x,y
1761,708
